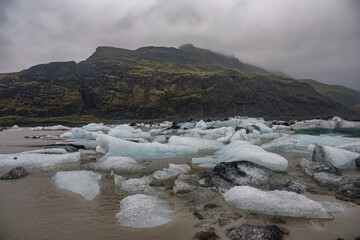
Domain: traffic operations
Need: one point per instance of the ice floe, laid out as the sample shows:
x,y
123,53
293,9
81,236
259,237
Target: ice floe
x,y
143,211
42,157
244,151
95,127
283,203
135,185
78,133
115,164
305,140
85,183
119,147
196,142
172,171
50,128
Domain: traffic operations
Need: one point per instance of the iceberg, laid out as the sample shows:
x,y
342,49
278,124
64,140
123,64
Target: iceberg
x,y
14,128
280,146
341,159
213,133
239,135
142,211
304,140
201,124
85,183
50,128
115,164
119,147
43,157
172,171
95,127
125,131
78,133
198,143
283,203
244,151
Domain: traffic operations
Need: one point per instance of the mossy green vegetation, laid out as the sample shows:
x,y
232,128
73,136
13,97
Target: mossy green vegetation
x,y
158,82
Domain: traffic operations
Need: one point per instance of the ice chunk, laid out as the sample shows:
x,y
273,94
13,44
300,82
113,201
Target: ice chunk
x,y
339,158
243,151
41,157
196,142
78,133
352,147
125,131
201,124
14,128
304,140
239,135
265,136
283,203
50,128
95,127
85,183
118,147
64,135
135,185
142,211
280,146
182,187
335,123
116,164
213,133
172,171
188,125
281,128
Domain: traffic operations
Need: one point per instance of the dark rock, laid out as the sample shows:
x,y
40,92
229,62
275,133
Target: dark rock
x,y
252,232
229,174
291,186
132,124
277,219
14,173
357,162
198,215
223,222
328,176
174,125
199,196
210,206
207,235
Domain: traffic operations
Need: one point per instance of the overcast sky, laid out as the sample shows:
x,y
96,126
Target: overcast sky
x,y
318,39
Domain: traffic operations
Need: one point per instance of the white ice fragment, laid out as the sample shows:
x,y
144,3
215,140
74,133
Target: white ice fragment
x,y
188,125
38,158
172,171
159,139
50,128
239,135
95,127
198,143
244,151
304,140
119,147
280,146
85,183
142,211
283,203
116,164
201,125
78,133
65,134
14,128
126,131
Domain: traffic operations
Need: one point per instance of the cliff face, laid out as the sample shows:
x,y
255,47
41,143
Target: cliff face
x,y
158,82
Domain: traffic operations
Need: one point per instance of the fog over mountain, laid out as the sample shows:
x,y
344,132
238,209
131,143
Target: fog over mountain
x,y
305,39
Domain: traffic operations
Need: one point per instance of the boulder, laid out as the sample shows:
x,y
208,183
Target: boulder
x,y
252,232
14,173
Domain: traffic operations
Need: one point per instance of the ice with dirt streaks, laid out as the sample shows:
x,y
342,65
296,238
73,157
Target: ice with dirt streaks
x,y
244,151
172,171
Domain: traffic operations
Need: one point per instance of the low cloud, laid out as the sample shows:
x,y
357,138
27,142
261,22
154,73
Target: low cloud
x,y
305,39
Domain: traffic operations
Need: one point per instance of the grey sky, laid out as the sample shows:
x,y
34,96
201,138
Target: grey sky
x,y
318,39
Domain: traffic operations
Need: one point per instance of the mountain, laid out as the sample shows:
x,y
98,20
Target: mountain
x,y
346,96
159,82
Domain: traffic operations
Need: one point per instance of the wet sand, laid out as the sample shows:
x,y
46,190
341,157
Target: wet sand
x,y
34,208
